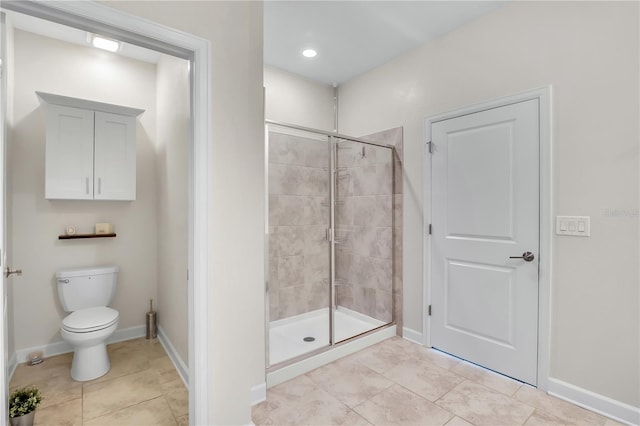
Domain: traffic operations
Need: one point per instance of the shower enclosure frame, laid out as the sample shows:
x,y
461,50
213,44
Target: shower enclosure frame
x,y
333,140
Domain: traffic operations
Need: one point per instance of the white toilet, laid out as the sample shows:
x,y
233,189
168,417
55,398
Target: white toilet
x,y
86,293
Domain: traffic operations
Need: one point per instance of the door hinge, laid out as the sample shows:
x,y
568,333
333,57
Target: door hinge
x,y
429,310
430,147
430,229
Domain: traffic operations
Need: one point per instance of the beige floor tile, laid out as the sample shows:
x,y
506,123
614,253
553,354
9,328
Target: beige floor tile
x,y
162,364
183,421
457,421
179,402
398,406
300,402
130,357
105,397
52,378
541,418
482,406
488,378
382,357
611,422
140,371
569,413
52,366
438,358
424,378
354,419
349,381
66,414
170,380
155,412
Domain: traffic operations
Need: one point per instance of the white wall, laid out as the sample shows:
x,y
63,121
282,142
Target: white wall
x,y
236,289
293,99
172,149
49,65
588,51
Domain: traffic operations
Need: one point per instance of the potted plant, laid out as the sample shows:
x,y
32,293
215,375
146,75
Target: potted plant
x,y
22,406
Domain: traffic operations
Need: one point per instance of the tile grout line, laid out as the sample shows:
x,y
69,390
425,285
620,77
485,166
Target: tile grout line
x,y
530,415
127,407
175,419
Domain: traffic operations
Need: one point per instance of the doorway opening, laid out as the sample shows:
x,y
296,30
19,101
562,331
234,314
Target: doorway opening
x,y
99,19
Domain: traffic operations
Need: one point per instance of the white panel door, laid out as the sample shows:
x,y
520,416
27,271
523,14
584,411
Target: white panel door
x,y
69,153
115,157
485,210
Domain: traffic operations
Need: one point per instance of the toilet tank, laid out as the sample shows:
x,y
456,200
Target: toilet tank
x,y
86,287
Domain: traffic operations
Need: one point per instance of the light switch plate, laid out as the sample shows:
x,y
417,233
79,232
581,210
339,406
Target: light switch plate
x,y
577,226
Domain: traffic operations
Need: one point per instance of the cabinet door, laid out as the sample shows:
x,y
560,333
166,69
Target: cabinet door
x,y
69,153
115,157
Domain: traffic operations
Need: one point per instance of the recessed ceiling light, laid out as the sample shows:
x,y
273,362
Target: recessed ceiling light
x,y
104,43
309,53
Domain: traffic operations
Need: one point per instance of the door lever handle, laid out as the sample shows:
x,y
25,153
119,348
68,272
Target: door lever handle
x,y
527,256
8,272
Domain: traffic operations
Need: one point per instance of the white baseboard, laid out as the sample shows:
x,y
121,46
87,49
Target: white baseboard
x,y
294,370
12,364
258,393
412,335
600,404
62,347
174,356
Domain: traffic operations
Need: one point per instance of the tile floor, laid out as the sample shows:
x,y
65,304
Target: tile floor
x,y
397,382
142,388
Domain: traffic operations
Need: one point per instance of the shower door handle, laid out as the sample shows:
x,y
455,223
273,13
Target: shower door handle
x,y
329,235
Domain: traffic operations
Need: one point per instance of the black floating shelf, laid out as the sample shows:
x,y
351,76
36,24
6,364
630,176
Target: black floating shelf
x,y
78,236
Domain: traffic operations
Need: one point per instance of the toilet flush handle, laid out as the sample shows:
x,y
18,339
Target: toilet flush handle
x,y
8,272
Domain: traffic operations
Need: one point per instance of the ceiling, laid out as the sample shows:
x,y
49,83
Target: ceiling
x,y
352,37
73,35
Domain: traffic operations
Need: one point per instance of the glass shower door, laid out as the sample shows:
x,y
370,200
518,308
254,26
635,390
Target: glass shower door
x,y
298,283
363,222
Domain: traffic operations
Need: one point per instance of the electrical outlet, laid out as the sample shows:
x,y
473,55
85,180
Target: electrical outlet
x,y
577,226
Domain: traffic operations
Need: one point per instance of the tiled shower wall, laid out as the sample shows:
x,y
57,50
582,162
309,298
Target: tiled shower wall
x,y
394,137
366,215
298,219
368,254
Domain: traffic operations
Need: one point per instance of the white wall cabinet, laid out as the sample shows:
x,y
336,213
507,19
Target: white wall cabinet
x,y
90,150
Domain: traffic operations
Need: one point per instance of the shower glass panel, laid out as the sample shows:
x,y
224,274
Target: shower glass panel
x,y
298,286
330,240
363,238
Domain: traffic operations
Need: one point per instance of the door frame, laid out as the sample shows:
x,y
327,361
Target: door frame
x,y
543,94
95,17
4,356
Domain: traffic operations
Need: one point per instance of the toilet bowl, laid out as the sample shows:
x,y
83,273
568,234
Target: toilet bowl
x,y
87,330
86,294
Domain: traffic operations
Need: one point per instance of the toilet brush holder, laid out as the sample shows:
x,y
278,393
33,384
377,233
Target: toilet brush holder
x,y
152,322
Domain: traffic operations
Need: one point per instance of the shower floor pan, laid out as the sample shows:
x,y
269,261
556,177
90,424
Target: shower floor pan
x,y
287,336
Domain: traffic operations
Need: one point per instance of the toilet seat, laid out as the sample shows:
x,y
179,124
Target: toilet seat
x,y
91,319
